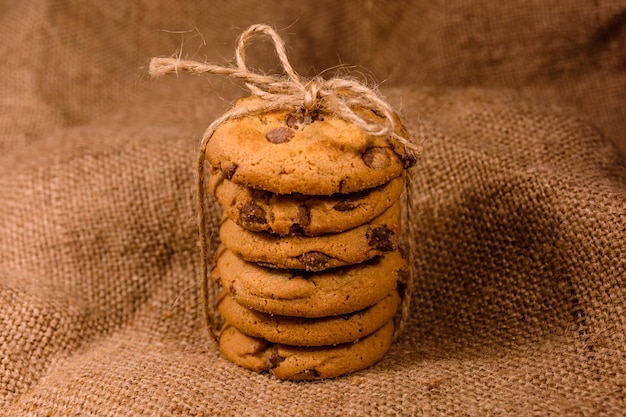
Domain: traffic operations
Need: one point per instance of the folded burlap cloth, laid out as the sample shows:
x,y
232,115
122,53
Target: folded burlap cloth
x,y
519,262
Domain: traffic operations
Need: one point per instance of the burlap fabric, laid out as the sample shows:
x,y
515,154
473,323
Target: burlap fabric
x,y
519,202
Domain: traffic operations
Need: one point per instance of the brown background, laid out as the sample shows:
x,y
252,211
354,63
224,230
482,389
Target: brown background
x,y
518,205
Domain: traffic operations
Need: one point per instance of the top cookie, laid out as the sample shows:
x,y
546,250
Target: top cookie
x,y
314,154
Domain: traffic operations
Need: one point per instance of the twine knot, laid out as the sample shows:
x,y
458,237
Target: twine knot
x,y
312,93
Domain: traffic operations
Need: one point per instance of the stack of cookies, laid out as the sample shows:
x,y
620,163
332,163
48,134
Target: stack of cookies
x,y
309,263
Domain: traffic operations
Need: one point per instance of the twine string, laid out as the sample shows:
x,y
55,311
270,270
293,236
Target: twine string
x,y
342,97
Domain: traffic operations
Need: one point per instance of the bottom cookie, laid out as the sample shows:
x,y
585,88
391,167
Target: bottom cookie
x,y
304,363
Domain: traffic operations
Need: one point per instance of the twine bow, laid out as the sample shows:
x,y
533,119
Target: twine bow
x,y
340,97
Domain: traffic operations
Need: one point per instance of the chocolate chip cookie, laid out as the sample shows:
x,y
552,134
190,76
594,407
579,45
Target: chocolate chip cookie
x,y
260,210
308,294
287,152
298,331
304,363
356,245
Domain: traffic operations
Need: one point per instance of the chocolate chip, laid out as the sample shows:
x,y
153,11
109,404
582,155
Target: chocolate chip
x,y
279,135
381,238
229,171
296,230
345,205
274,360
302,118
302,217
295,121
314,260
251,214
376,158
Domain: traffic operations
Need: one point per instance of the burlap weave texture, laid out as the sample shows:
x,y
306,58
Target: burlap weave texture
x,y
520,207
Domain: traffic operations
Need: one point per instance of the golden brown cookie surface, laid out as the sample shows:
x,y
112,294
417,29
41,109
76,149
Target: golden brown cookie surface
x,y
285,152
